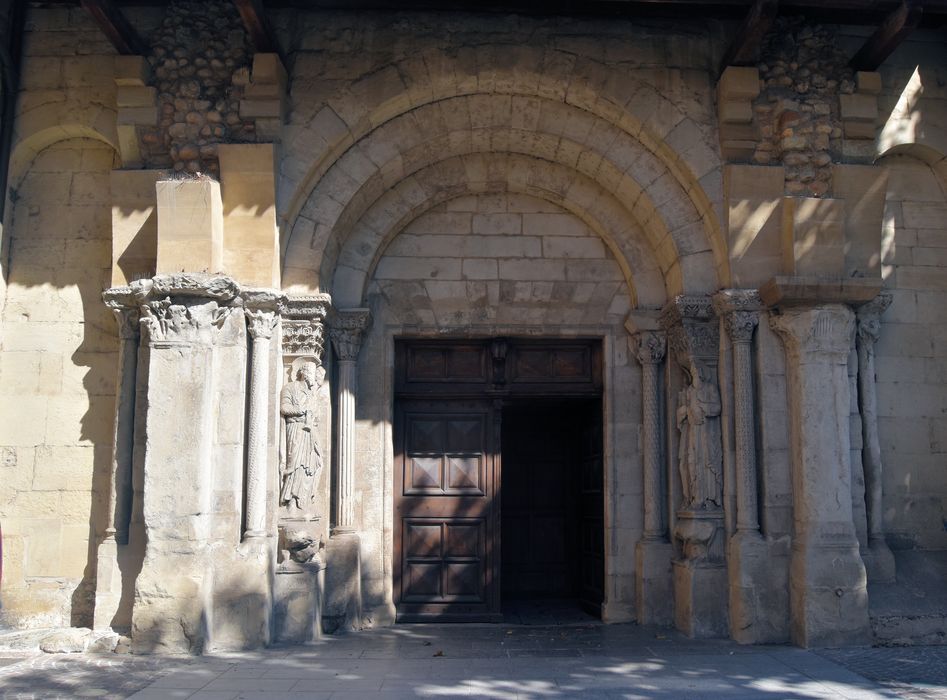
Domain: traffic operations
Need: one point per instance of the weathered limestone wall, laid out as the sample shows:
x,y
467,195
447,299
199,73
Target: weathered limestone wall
x,y
57,385
486,265
911,362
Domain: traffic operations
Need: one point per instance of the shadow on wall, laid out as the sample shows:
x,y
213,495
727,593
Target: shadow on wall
x,y
59,357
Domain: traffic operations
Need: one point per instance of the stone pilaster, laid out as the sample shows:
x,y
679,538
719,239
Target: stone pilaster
x,y
108,589
653,553
700,575
879,561
828,595
184,317
261,313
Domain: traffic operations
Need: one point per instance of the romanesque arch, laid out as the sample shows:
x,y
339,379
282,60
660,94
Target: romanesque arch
x,y
625,143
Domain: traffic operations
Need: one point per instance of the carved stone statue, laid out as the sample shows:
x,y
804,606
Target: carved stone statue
x,y
302,463
699,457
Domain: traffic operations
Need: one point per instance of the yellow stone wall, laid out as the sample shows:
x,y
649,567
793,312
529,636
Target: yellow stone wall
x,y
57,383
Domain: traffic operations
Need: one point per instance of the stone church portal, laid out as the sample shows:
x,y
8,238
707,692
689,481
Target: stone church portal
x,y
317,318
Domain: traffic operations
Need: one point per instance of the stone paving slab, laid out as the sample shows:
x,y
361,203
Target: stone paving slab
x,y
518,663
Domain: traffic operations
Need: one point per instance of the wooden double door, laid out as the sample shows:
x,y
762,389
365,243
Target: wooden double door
x,y
498,479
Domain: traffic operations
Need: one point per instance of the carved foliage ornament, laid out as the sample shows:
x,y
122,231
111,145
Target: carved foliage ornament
x,y
346,332
303,324
869,317
651,347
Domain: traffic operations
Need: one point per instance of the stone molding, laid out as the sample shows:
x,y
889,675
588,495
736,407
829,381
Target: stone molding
x,y
345,328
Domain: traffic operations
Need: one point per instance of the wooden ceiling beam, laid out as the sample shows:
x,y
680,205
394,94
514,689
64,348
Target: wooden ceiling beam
x,y
116,27
745,47
258,26
888,36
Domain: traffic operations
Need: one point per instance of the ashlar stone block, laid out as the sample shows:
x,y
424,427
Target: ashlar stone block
x,y
251,234
754,201
813,237
190,226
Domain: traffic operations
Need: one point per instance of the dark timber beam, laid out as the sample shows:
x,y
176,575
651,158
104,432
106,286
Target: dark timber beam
x,y
888,36
116,27
745,48
257,25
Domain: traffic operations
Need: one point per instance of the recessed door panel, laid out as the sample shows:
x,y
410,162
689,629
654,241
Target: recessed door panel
x,y
444,510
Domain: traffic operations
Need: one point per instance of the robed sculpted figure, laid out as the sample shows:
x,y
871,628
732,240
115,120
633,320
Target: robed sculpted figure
x,y
699,457
303,457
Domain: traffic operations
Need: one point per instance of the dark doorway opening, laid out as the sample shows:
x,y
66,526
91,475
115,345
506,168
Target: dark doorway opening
x,y
498,483
552,563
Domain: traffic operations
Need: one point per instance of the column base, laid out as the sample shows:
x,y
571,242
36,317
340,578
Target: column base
x,y
879,562
299,594
700,599
342,610
759,598
828,595
108,585
654,587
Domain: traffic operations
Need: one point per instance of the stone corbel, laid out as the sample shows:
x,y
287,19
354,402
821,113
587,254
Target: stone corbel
x,y
137,105
264,98
736,90
879,561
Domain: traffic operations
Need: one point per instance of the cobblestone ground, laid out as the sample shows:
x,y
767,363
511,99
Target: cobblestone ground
x,y
516,663
914,672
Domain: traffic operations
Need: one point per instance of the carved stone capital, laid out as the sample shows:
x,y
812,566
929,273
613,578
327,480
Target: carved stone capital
x,y
824,331
121,300
182,308
739,309
346,331
868,317
261,323
262,308
740,325
650,347
692,329
304,324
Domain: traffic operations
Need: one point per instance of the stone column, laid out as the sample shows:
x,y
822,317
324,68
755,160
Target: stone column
x,y
108,588
828,595
653,553
740,313
700,573
751,597
260,306
878,559
343,606
184,318
346,333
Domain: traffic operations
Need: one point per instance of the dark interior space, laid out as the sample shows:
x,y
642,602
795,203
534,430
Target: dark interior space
x,y
551,508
